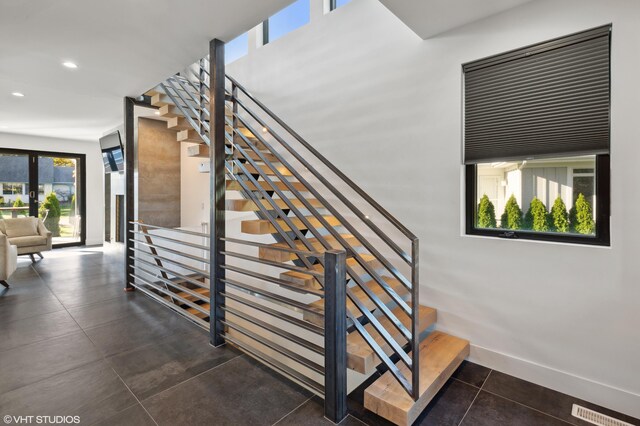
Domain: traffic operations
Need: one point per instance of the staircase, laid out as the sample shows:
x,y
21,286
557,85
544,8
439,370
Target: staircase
x,y
275,300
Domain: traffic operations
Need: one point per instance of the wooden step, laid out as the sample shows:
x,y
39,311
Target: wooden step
x,y
178,123
233,185
189,135
151,93
250,206
283,256
170,111
191,298
318,306
160,100
197,313
440,356
267,171
263,226
198,151
306,280
254,156
360,356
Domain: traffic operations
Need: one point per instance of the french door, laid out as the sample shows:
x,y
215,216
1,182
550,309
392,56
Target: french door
x,y
47,185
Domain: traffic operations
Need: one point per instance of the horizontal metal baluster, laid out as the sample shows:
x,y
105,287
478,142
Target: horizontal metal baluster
x,y
277,366
381,355
177,287
271,247
171,272
276,330
178,230
171,81
172,251
327,163
338,216
174,262
277,314
272,296
394,296
193,98
173,240
276,347
271,263
191,317
186,116
169,293
273,280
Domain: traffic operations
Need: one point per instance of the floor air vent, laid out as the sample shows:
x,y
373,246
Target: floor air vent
x,y
595,417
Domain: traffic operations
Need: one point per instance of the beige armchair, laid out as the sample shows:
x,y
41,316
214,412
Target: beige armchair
x,y
8,259
28,234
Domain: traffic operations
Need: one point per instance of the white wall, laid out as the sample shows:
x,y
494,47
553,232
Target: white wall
x,y
385,106
95,173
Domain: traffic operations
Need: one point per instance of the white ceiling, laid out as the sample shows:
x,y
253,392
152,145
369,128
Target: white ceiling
x,y
428,18
122,48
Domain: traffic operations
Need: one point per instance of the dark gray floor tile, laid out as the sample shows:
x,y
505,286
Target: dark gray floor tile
x,y
157,366
22,290
22,309
71,298
243,392
93,392
35,329
311,413
449,405
492,410
132,416
137,330
546,400
471,373
84,281
31,363
96,314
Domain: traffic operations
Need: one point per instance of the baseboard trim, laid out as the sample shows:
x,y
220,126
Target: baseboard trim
x,y
620,400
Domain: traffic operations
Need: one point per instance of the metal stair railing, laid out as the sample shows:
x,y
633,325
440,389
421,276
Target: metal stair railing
x,y
239,152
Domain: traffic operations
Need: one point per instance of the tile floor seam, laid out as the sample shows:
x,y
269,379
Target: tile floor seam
x,y
103,357
474,398
526,406
189,379
290,412
465,383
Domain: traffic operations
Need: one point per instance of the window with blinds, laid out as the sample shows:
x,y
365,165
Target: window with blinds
x,y
534,120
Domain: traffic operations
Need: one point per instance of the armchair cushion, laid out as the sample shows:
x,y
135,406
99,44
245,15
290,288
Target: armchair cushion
x,y
21,227
30,241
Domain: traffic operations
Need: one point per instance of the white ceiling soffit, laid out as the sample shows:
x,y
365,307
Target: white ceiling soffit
x,y
121,47
428,18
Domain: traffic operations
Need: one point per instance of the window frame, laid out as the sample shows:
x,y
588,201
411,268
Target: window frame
x,y
602,193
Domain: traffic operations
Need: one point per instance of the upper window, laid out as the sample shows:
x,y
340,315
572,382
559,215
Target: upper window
x,y
334,4
288,19
536,144
236,48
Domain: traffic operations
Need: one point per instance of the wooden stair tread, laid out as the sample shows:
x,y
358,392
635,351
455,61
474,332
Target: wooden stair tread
x,y
306,280
178,123
250,206
283,256
254,156
360,356
189,135
440,356
233,185
199,314
318,306
266,170
264,226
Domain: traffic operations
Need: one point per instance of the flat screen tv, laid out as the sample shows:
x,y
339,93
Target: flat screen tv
x,y
112,153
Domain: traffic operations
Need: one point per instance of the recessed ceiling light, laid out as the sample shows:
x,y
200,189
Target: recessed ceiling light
x,y
70,65
18,94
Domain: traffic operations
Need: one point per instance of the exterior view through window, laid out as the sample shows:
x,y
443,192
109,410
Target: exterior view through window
x,y
550,195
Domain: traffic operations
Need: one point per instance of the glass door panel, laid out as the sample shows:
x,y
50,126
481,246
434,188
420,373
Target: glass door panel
x,y
14,185
59,197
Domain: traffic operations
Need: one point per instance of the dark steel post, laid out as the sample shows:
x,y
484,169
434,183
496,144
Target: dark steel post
x,y
129,200
415,316
217,189
335,335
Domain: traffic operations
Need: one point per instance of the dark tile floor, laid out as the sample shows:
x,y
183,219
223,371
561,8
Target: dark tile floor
x,y
73,343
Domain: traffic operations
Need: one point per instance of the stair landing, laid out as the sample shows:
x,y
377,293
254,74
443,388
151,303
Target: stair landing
x,y
440,356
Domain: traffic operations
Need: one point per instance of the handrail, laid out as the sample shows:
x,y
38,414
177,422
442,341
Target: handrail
x,y
327,163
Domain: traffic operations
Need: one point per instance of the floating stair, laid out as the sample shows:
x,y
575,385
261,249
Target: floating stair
x,y
282,256
263,226
250,206
233,185
440,356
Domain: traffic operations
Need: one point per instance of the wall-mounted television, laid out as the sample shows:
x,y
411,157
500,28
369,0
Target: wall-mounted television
x,y
112,152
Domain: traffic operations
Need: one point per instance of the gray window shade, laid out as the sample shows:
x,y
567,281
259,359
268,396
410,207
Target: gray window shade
x,y
550,99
